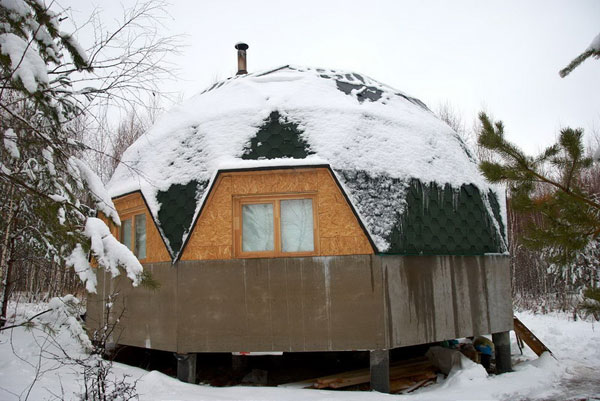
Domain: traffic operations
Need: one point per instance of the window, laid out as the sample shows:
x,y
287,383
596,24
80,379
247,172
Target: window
x,y
257,227
276,225
133,234
297,225
126,233
140,236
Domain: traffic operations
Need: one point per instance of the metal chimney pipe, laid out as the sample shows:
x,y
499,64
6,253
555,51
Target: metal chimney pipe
x,y
241,48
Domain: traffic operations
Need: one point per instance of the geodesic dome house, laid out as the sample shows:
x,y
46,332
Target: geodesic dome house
x,y
304,209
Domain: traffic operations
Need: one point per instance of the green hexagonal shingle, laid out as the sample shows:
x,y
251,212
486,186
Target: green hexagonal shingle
x,y
177,207
276,140
439,220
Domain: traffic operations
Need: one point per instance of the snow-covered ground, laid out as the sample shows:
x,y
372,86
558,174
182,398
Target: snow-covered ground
x,y
32,367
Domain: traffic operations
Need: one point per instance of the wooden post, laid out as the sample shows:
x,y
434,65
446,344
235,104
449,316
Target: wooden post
x,y
380,370
502,350
186,367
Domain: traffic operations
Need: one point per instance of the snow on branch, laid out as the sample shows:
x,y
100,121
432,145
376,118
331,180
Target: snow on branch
x,y
64,311
78,260
48,81
593,50
102,200
10,143
108,252
26,63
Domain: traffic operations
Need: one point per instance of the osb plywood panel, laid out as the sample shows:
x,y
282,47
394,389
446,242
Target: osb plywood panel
x,y
132,204
339,230
270,182
335,216
214,252
211,237
345,246
111,226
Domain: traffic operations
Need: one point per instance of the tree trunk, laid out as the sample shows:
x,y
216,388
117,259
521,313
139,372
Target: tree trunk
x,y
5,256
6,289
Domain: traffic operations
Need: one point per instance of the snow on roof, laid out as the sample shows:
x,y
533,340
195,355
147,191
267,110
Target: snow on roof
x,y
350,122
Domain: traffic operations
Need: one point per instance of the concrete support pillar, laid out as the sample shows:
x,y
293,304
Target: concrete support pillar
x,y
380,370
502,350
186,367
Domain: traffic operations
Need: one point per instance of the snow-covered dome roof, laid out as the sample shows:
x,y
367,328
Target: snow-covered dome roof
x,y
352,123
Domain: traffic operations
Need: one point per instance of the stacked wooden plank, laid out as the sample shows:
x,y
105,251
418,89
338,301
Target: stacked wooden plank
x,y
404,376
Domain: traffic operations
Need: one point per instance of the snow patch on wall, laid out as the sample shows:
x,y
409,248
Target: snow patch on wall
x,y
379,200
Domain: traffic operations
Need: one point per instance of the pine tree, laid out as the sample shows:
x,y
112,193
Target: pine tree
x,y
49,196
550,185
571,214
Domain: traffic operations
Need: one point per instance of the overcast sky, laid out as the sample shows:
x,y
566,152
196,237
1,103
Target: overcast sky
x,y
501,56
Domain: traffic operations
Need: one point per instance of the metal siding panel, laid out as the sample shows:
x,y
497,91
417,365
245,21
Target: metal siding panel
x,y
212,305
499,293
259,325
279,305
295,309
461,299
444,297
419,273
149,317
442,293
354,304
95,305
313,304
477,284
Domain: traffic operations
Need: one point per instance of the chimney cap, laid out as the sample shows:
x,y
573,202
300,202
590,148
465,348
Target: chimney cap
x,y
241,46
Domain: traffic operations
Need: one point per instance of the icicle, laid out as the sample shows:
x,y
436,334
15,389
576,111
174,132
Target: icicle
x,y
455,198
